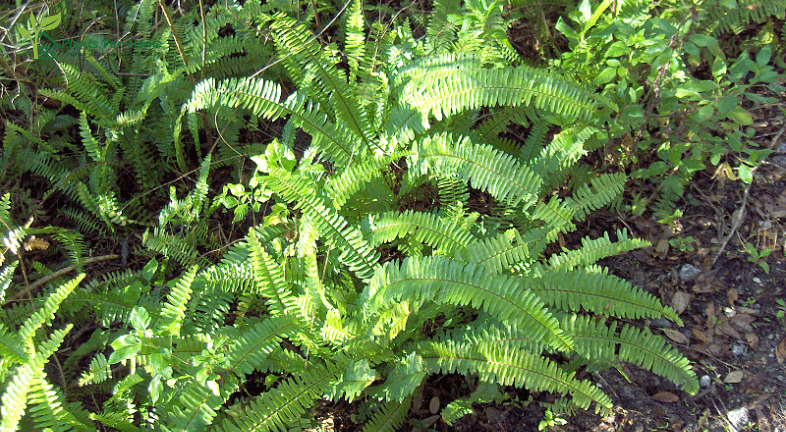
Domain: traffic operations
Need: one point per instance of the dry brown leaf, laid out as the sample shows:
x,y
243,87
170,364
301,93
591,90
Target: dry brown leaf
x,y
732,296
702,288
752,340
665,396
428,422
733,377
780,351
743,322
742,319
417,401
716,349
709,310
36,244
700,335
662,247
680,301
433,405
729,330
676,336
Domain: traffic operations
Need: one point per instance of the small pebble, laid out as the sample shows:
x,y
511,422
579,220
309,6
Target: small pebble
x,y
757,280
688,272
738,349
729,312
705,381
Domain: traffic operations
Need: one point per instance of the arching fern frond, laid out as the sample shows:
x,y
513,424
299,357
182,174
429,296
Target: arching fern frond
x,y
595,340
510,86
482,166
511,367
599,292
461,284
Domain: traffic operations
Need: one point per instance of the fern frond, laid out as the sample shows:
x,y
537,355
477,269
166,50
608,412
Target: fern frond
x,y
269,277
482,166
15,398
390,416
510,86
174,311
500,253
596,341
256,342
440,233
593,250
511,367
47,312
277,409
604,189
460,284
600,293
357,253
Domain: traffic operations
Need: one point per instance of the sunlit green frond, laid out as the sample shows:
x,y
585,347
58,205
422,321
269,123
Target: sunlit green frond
x,y
479,165
595,340
511,367
504,297
599,292
440,233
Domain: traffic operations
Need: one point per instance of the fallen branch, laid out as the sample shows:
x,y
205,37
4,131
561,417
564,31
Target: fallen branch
x,y
59,273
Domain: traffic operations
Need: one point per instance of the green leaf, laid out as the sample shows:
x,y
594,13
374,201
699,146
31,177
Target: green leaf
x,y
763,56
702,40
585,8
718,68
726,103
150,269
140,319
605,76
740,116
705,113
745,173
124,352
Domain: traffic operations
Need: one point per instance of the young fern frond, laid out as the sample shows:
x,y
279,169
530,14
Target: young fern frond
x,y
173,312
357,253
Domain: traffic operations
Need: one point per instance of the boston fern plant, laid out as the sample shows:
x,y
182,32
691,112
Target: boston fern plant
x,y
376,268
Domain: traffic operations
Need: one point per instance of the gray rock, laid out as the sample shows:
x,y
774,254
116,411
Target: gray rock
x,y
738,349
688,272
660,323
757,280
738,418
705,381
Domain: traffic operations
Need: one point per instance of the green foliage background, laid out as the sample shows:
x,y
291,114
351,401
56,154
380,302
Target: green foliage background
x,y
290,192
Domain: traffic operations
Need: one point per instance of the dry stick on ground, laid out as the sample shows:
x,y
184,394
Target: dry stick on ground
x,y
739,215
59,273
